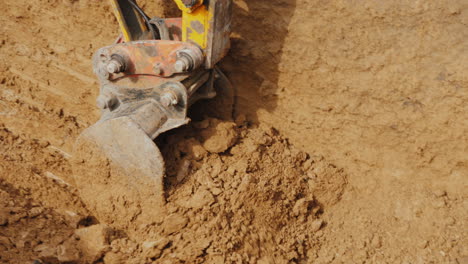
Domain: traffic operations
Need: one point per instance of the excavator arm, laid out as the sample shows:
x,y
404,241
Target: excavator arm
x,y
148,79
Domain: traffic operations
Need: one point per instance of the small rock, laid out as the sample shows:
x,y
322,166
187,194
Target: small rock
x,y
319,233
316,225
153,249
174,223
35,211
240,166
113,258
216,191
198,152
200,199
45,251
291,255
94,241
193,148
241,119
152,253
216,168
44,144
197,247
219,136
148,244
307,164
73,218
67,252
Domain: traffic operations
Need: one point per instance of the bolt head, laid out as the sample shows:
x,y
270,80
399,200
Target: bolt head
x,y
113,66
180,65
103,73
101,102
168,99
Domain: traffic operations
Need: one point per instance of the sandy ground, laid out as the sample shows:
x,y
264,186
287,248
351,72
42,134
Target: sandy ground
x,y
349,143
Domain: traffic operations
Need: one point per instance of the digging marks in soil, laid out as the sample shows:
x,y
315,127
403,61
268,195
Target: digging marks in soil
x,y
235,193
388,112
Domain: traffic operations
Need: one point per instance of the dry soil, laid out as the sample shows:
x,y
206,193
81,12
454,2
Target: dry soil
x,y
349,143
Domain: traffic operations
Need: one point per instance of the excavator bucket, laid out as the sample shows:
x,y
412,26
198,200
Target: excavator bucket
x,y
117,169
149,78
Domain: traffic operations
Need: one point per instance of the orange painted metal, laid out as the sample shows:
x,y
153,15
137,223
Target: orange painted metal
x,y
144,57
175,28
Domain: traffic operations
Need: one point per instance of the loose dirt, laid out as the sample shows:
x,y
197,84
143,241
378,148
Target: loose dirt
x,y
348,146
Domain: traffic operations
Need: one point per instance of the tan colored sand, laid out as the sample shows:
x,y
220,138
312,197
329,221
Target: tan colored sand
x,y
353,149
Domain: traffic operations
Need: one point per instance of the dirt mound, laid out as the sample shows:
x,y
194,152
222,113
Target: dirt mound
x,y
231,200
256,201
377,88
248,197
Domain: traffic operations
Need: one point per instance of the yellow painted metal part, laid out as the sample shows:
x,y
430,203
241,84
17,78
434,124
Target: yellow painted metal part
x,y
195,22
196,26
118,15
126,32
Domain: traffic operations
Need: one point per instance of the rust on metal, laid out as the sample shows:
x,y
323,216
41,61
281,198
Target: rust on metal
x,y
142,56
